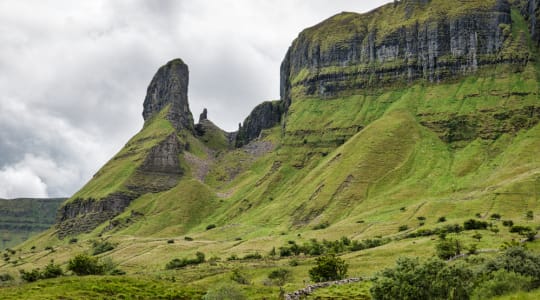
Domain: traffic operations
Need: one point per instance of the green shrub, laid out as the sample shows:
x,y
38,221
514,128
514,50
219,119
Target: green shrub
x,y
73,240
321,226
502,283
187,238
473,224
441,219
180,263
30,276
84,264
239,277
495,216
232,257
530,215
211,226
508,223
518,260
448,247
403,228
279,277
6,277
252,256
329,267
52,271
433,279
102,247
170,241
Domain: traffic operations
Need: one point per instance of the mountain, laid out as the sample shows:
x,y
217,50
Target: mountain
x,y
22,218
418,113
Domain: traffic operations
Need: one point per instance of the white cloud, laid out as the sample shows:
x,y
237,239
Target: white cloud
x,y
23,181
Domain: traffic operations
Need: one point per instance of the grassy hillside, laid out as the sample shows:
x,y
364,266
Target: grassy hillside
x,y
22,218
373,175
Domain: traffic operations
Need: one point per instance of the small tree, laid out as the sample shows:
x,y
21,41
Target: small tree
x,y
328,268
448,248
84,264
477,236
280,276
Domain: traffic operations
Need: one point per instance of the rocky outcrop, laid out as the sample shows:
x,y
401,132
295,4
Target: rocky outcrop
x,y
531,11
84,215
203,116
263,116
170,87
163,158
351,52
160,171
310,289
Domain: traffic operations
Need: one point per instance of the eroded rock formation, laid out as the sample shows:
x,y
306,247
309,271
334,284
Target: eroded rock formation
x,y
169,87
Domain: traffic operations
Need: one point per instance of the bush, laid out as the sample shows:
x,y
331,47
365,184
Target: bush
x,y
508,223
239,277
187,238
252,256
441,220
52,271
321,226
180,263
448,248
473,224
502,283
530,215
170,242
84,264
211,226
6,277
31,276
101,247
520,261
433,279
279,277
73,240
328,268
495,216
403,228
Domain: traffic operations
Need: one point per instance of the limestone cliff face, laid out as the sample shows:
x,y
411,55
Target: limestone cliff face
x,y
169,87
531,11
263,116
398,42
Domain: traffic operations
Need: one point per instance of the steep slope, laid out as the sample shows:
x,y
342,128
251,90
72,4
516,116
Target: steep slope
x,y
22,218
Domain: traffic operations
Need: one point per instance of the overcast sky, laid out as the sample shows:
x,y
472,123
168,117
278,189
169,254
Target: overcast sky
x,y
73,74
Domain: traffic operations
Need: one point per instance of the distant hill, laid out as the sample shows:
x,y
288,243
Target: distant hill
x,y
21,218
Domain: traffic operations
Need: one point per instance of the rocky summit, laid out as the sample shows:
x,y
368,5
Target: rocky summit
x,y
410,130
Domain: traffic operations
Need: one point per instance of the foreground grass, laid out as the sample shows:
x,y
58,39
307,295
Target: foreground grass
x,y
101,287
